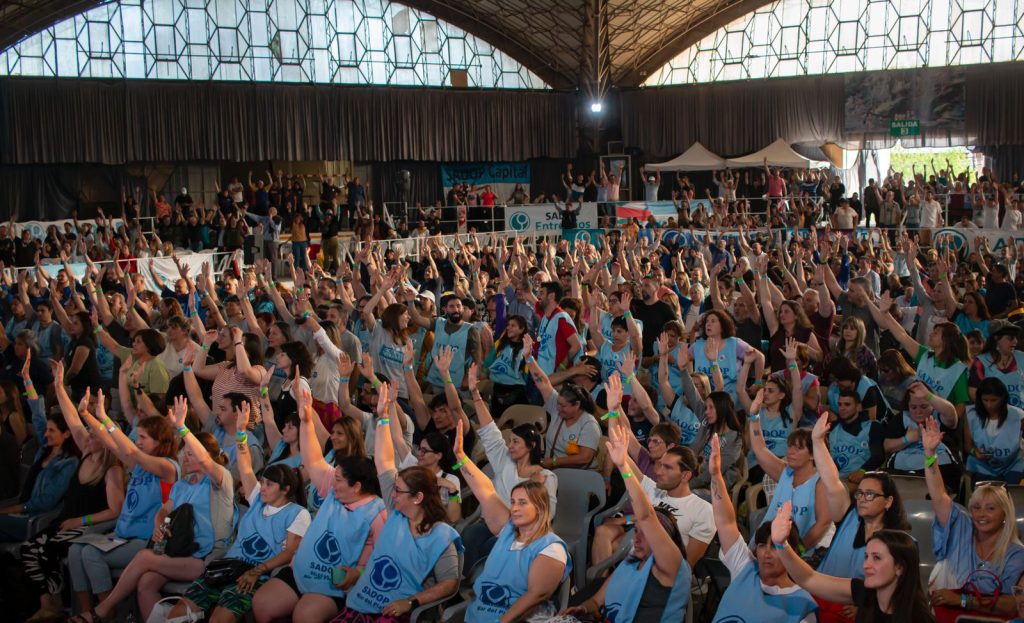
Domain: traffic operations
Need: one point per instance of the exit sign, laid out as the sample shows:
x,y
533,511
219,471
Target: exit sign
x,y
904,127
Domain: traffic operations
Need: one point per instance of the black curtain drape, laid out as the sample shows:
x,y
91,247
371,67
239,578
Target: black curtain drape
x,y
424,178
33,193
81,120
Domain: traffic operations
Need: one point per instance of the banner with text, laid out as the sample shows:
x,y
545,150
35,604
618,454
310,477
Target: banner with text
x,y
502,177
38,228
545,218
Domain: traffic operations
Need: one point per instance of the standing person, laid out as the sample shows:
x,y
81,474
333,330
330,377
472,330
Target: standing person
x,y
651,184
453,332
650,312
890,590
528,560
759,582
271,224
982,537
557,339
653,583
300,241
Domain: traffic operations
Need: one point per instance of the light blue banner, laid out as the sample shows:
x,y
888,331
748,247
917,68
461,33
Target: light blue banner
x,y
485,173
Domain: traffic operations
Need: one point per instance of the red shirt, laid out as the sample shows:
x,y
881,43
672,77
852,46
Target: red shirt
x,y
776,186
487,199
565,331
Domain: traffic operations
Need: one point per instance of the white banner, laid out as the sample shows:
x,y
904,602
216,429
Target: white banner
x,y
38,228
163,266
544,218
960,237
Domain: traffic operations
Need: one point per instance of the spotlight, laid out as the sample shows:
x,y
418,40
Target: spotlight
x,y
595,107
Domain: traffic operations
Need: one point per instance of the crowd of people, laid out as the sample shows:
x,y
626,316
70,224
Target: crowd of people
x,y
348,441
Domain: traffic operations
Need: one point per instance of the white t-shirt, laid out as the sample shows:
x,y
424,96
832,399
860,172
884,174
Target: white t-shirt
x,y
174,360
298,526
738,557
694,516
990,216
845,217
506,475
1012,220
930,211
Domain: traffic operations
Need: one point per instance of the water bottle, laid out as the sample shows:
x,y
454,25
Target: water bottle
x,y
160,546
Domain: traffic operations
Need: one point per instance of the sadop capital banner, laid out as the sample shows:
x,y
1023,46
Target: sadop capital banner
x,y
502,177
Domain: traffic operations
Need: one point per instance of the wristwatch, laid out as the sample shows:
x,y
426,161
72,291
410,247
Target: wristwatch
x,y
413,603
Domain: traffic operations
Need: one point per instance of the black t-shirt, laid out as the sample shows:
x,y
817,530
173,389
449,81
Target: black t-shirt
x,y
329,192
654,317
998,297
89,374
862,599
7,251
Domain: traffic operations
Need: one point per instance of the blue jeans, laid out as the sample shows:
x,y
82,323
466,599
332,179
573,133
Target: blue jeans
x,y
301,252
13,528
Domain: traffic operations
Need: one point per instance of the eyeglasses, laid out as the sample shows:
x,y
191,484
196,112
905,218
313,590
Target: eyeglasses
x,y
868,496
999,484
1018,591
422,450
397,490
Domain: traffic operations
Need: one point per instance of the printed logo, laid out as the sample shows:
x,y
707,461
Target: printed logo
x,y
954,237
385,575
611,612
131,500
495,595
256,547
327,549
583,236
519,221
732,619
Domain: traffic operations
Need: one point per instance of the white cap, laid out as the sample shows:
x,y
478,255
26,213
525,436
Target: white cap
x,y
184,190
427,294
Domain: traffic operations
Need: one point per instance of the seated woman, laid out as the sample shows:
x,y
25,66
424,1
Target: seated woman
x,y
528,561
506,368
346,441
54,466
890,589
96,495
903,435
268,535
894,376
798,480
416,559
982,537
205,484
993,435
780,408
339,540
152,472
759,581
877,507
718,418
678,402
653,584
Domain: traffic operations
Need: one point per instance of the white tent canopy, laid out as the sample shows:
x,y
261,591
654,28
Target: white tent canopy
x,y
778,154
696,158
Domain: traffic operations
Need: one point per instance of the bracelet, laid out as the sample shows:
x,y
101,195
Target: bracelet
x,y
780,546
27,382
183,432
606,478
459,465
238,343
554,461
530,359
307,314
793,366
906,441
454,497
343,379
626,475
87,520
264,391
206,347
449,381
714,367
611,415
631,378
628,315
739,280
930,460
755,417
929,397
241,436
374,383
383,421
97,329
187,369
407,368
759,383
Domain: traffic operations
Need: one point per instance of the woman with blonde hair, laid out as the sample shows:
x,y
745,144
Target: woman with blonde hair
x,y
528,562
852,334
981,538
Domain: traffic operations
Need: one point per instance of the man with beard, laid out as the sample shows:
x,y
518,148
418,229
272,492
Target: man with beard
x,y
462,337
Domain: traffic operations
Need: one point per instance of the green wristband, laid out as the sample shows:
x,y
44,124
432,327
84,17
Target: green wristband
x,y
460,464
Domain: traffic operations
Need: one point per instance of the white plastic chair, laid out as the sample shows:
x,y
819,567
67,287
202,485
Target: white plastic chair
x,y
572,522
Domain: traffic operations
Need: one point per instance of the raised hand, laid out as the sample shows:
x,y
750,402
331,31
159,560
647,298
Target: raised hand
x,y
471,377
755,406
931,436
821,427
83,404
444,358
714,347
885,302
28,363
178,413
782,525
367,365
715,457
304,405
919,390
626,366
57,369
528,345
457,445
345,365
617,447
613,389
382,399
790,350
242,417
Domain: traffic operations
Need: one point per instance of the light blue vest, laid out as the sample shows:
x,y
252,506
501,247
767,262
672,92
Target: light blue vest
x,y
313,497
231,450
1014,381
417,343
506,369
457,341
104,361
198,495
685,419
261,538
505,575
745,602
335,538
863,386
606,326
1004,446
911,458
610,359
399,564
726,363
940,380
675,377
547,349
626,588
143,499
842,559
361,333
848,451
277,456
388,359
776,432
804,514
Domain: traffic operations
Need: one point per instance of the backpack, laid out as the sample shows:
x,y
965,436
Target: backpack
x,y
182,540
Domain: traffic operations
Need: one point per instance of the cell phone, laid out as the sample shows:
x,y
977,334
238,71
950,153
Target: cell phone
x,y
338,575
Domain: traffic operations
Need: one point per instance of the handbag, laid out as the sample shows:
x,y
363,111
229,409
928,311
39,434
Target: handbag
x,y
225,571
164,607
181,541
956,614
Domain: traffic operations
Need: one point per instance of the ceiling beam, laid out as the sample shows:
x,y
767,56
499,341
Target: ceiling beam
x,y
32,17
537,61
690,34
